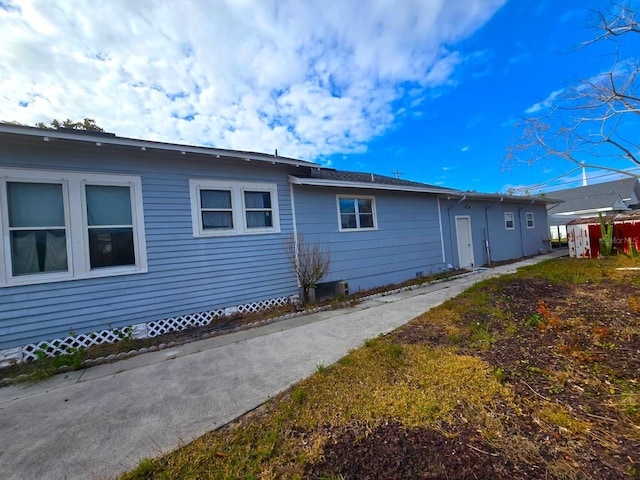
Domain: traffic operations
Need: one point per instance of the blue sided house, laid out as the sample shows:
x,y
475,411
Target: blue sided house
x,y
100,232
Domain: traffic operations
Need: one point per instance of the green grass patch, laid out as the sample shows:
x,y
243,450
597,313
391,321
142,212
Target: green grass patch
x,y
45,366
579,271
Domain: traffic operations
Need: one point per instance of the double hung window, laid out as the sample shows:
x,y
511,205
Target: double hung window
x,y
509,223
529,218
217,211
63,225
356,213
258,211
110,226
233,208
37,228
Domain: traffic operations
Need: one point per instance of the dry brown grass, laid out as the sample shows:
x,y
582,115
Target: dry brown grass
x,y
414,385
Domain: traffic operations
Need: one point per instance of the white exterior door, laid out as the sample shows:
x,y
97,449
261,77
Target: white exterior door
x,y
465,243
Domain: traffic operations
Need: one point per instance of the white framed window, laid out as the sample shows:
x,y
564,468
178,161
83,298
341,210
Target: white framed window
x,y
258,209
66,225
356,213
509,223
233,208
109,225
216,207
529,219
38,226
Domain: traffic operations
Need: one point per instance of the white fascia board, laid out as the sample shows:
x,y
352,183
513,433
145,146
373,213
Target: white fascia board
x,y
148,144
320,182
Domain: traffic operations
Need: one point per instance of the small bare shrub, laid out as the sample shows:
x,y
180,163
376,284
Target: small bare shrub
x,y
310,261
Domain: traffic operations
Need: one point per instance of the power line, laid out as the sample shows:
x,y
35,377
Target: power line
x,y
541,186
611,174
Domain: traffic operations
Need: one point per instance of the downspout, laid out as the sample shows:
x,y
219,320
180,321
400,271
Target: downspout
x,y
444,260
521,231
295,228
451,228
546,212
486,220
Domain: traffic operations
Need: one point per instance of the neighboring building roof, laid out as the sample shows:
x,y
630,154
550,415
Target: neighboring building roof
x,y
618,195
102,138
632,216
336,178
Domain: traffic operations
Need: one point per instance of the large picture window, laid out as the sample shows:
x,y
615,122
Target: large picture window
x,y
357,213
233,208
61,226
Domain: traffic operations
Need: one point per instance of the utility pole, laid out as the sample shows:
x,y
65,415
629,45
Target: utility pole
x,y
397,173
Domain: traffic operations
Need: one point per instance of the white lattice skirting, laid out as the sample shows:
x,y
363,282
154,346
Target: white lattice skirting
x,y
59,346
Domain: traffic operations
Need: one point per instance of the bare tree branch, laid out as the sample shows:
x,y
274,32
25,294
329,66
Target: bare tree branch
x,y
591,123
617,21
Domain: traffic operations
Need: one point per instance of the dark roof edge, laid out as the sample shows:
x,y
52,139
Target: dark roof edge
x,y
497,197
321,182
109,139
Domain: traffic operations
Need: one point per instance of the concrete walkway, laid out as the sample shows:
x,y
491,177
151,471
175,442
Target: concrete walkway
x,y
99,422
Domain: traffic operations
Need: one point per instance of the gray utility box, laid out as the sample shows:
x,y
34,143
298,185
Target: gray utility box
x,y
329,290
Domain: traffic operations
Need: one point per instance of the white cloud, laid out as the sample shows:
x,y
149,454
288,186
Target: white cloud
x,y
509,123
546,103
310,78
466,148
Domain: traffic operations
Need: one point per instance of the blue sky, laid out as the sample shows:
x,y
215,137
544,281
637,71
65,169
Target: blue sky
x,y
428,88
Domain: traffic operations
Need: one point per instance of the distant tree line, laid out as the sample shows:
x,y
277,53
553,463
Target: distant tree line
x,y
88,124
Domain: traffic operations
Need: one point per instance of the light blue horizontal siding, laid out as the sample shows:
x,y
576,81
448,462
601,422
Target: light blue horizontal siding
x,y
185,274
406,241
487,224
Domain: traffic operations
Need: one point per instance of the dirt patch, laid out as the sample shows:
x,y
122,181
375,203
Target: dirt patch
x,y
571,354
393,452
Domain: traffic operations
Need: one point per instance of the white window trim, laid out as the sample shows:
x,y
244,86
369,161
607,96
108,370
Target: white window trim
x,y
513,221
528,215
75,223
238,208
136,205
373,210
